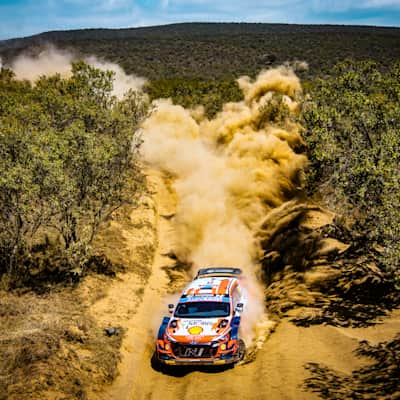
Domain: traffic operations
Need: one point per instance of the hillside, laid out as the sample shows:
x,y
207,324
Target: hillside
x,y
220,50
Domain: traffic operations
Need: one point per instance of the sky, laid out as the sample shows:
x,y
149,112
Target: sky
x,y
20,18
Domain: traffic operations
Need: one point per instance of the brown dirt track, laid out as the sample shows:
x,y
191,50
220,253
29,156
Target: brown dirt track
x,y
277,372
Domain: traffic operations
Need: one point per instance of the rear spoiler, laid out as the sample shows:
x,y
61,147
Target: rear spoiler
x,y
222,271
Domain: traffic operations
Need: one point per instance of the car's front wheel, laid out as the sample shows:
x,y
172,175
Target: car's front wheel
x,y
156,363
242,349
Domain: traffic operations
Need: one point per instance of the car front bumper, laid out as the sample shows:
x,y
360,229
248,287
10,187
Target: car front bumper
x,y
223,360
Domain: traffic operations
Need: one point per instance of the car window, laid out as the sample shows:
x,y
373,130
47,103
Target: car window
x,y
202,309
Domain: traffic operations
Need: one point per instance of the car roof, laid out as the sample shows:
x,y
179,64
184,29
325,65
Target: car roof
x,y
219,271
209,289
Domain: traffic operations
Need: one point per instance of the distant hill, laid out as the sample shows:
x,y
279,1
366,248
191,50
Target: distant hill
x,y
220,50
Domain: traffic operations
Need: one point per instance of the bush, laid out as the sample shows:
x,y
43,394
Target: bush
x,y
69,159
353,125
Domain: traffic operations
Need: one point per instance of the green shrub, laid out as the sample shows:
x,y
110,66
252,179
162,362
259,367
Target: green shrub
x,y
69,158
353,135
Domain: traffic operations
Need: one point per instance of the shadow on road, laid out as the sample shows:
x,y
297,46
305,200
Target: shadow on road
x,y
183,370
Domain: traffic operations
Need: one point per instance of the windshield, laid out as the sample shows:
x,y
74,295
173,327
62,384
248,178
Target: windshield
x,y
203,309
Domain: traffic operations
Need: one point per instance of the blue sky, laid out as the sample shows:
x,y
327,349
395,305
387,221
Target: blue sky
x,y
26,17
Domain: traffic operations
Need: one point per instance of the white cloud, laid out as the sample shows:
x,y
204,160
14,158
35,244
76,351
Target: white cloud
x,y
164,3
334,6
109,5
212,4
381,3
99,5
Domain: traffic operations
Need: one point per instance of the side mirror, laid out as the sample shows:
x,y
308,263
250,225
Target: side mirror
x,y
239,307
170,308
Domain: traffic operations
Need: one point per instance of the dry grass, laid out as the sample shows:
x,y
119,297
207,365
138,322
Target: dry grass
x,y
45,338
128,240
51,347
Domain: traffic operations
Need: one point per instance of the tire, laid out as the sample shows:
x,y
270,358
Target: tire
x,y
155,362
242,349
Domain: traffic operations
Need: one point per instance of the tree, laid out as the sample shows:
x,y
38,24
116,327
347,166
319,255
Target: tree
x,y
69,151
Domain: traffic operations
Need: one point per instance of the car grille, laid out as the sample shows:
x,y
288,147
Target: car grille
x,y
190,351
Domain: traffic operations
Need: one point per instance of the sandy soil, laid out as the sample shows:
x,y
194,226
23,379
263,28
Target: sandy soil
x,y
139,342
276,373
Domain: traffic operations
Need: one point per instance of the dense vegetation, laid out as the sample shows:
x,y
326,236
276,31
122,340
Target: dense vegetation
x,y
353,135
215,51
68,150
351,117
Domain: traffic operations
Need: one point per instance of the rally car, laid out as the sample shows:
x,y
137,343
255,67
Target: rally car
x,y
203,328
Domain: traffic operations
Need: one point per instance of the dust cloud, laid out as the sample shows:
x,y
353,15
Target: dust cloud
x,y
51,61
228,173
48,62
122,81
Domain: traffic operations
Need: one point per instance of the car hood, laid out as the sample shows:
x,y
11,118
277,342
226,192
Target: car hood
x,y
197,330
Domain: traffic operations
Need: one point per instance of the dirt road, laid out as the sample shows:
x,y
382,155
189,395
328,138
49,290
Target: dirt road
x,y
278,369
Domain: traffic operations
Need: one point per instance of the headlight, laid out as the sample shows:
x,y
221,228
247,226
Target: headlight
x,y
169,338
224,323
223,338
